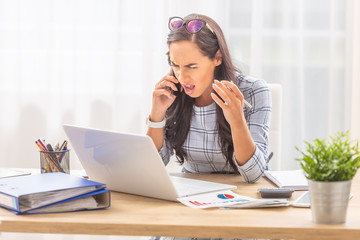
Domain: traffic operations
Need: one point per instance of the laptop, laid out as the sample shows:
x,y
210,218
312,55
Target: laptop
x,y
130,163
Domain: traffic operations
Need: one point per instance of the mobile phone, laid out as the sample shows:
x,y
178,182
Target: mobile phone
x,y
302,201
178,86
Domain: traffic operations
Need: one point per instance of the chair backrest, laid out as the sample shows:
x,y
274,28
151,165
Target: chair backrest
x,y
275,126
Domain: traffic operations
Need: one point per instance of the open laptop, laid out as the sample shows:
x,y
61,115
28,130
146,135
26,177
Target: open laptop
x,y
130,163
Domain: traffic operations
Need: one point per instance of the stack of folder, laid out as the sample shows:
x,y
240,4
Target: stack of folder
x,y
52,192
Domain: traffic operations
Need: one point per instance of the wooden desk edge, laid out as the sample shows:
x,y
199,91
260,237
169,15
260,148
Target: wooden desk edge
x,y
181,231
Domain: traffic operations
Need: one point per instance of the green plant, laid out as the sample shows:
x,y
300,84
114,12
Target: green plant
x,y
335,160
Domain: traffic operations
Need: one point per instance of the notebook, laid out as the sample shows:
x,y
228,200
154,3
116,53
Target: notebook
x,y
130,163
294,179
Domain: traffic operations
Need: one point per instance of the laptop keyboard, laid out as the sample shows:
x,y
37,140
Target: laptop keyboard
x,y
187,187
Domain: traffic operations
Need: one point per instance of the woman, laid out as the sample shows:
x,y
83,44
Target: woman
x,y
205,120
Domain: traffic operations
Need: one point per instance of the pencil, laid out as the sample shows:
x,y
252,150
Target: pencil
x,y
62,145
245,102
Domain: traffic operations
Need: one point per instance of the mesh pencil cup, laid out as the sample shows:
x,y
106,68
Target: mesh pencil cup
x,y
56,161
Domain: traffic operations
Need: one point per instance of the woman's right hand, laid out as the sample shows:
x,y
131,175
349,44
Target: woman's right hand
x,y
162,97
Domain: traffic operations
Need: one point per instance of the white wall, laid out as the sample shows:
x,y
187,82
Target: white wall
x,y
94,63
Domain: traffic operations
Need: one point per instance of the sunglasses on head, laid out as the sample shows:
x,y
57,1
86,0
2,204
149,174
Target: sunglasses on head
x,y
192,26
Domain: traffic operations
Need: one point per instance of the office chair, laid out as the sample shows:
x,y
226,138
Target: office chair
x,y
275,126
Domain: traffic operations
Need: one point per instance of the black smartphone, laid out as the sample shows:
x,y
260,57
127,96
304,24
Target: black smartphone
x,y
178,86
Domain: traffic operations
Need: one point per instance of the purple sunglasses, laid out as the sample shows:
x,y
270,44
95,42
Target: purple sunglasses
x,y
192,26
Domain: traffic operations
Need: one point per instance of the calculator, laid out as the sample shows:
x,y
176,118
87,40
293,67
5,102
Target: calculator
x,y
275,192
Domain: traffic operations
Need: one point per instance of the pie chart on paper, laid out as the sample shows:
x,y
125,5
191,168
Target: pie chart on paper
x,y
225,196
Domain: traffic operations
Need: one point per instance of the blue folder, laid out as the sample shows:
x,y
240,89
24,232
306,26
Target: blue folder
x,y
101,197
24,193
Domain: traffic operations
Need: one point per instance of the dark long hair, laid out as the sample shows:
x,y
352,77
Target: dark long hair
x,y
180,112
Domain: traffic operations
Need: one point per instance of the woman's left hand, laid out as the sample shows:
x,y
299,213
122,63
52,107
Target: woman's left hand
x,y
233,103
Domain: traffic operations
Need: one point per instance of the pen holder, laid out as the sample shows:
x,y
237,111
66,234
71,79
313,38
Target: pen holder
x,y
55,161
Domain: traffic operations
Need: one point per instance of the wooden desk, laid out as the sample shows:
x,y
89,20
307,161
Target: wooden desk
x,y
141,216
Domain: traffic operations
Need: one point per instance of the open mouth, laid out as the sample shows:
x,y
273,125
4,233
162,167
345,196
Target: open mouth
x,y
188,88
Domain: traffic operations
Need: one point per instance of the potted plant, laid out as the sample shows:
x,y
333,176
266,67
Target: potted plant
x,y
330,167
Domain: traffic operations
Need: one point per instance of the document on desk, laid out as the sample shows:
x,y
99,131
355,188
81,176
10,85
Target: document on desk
x,y
294,179
229,200
9,172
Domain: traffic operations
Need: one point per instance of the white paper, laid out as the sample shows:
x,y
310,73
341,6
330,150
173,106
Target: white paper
x,y
229,199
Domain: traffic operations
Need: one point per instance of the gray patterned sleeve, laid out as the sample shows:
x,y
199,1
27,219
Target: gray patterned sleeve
x,y
258,119
166,152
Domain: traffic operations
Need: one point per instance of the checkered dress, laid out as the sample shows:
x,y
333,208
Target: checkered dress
x,y
202,143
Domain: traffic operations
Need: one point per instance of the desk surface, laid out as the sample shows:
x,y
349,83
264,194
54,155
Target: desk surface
x,y
141,216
